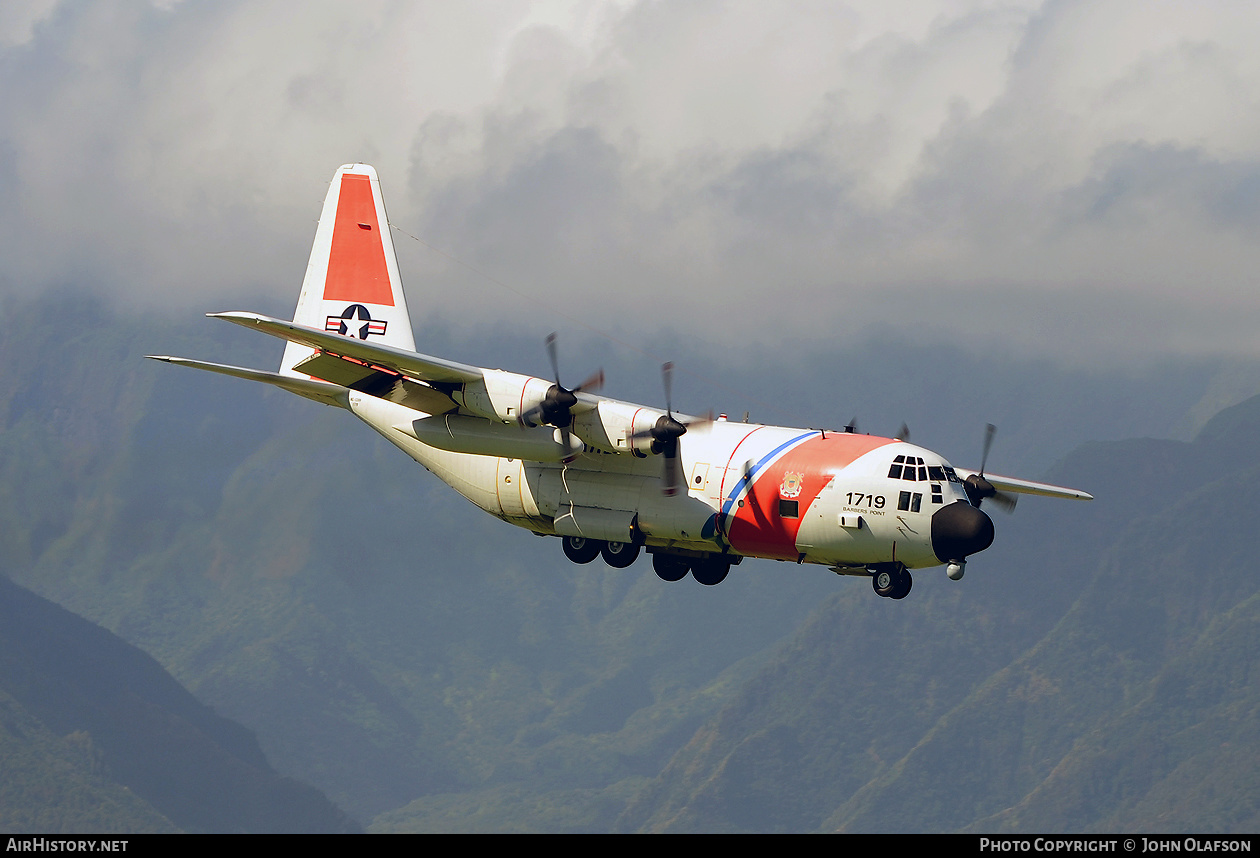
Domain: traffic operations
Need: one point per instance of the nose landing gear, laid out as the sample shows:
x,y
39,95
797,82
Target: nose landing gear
x,y
891,580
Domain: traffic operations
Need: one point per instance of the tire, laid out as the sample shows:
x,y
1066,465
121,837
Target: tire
x,y
892,582
670,567
581,550
883,580
619,555
710,571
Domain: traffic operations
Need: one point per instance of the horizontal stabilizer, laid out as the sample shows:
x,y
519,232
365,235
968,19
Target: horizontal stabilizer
x,y
320,391
408,363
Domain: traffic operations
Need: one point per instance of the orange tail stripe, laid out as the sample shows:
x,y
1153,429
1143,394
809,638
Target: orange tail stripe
x,y
356,265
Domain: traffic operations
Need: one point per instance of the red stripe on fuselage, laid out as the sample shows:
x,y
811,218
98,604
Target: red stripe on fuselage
x,y
356,264
756,528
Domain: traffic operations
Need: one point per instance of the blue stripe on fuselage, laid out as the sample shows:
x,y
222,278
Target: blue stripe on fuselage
x,y
749,478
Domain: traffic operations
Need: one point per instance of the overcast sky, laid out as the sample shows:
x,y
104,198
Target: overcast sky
x,y
1078,178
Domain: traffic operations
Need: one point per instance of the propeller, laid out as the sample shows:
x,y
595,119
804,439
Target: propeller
x,y
903,434
978,488
666,432
556,407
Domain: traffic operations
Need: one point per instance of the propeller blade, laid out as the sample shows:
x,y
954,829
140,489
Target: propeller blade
x,y
667,378
989,430
671,478
551,353
593,383
1005,501
903,434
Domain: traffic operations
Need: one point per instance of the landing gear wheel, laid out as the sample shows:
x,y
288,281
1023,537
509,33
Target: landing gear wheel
x,y
710,570
892,582
903,587
670,567
579,549
619,555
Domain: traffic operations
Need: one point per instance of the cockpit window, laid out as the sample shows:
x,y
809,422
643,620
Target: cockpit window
x,y
913,469
910,468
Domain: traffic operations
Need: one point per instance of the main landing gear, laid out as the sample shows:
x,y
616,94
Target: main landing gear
x,y
581,550
891,580
709,569
670,567
618,555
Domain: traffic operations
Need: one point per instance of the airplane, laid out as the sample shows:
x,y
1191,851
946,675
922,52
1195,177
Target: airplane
x,y
613,479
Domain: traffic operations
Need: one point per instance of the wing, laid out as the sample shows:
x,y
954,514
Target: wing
x,y
407,363
1027,487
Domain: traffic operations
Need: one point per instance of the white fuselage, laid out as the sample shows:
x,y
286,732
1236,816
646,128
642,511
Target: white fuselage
x,y
751,490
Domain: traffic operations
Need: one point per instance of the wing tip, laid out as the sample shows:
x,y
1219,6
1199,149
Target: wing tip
x,y
240,317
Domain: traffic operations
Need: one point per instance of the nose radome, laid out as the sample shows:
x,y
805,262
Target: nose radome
x,y
959,530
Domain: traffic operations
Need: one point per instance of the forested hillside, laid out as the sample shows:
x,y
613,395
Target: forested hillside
x,y
95,736
430,668
1100,676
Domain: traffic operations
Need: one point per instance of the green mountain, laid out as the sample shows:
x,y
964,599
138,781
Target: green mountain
x,y
96,736
1108,684
429,668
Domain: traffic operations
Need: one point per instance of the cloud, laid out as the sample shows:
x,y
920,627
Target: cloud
x,y
1032,174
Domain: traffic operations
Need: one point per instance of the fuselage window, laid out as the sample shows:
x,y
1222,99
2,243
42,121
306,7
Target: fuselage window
x,y
789,509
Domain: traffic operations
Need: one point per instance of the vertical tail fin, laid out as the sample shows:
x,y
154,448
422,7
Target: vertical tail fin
x,y
352,286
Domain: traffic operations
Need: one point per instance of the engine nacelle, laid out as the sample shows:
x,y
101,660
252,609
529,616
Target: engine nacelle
x,y
502,396
610,427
